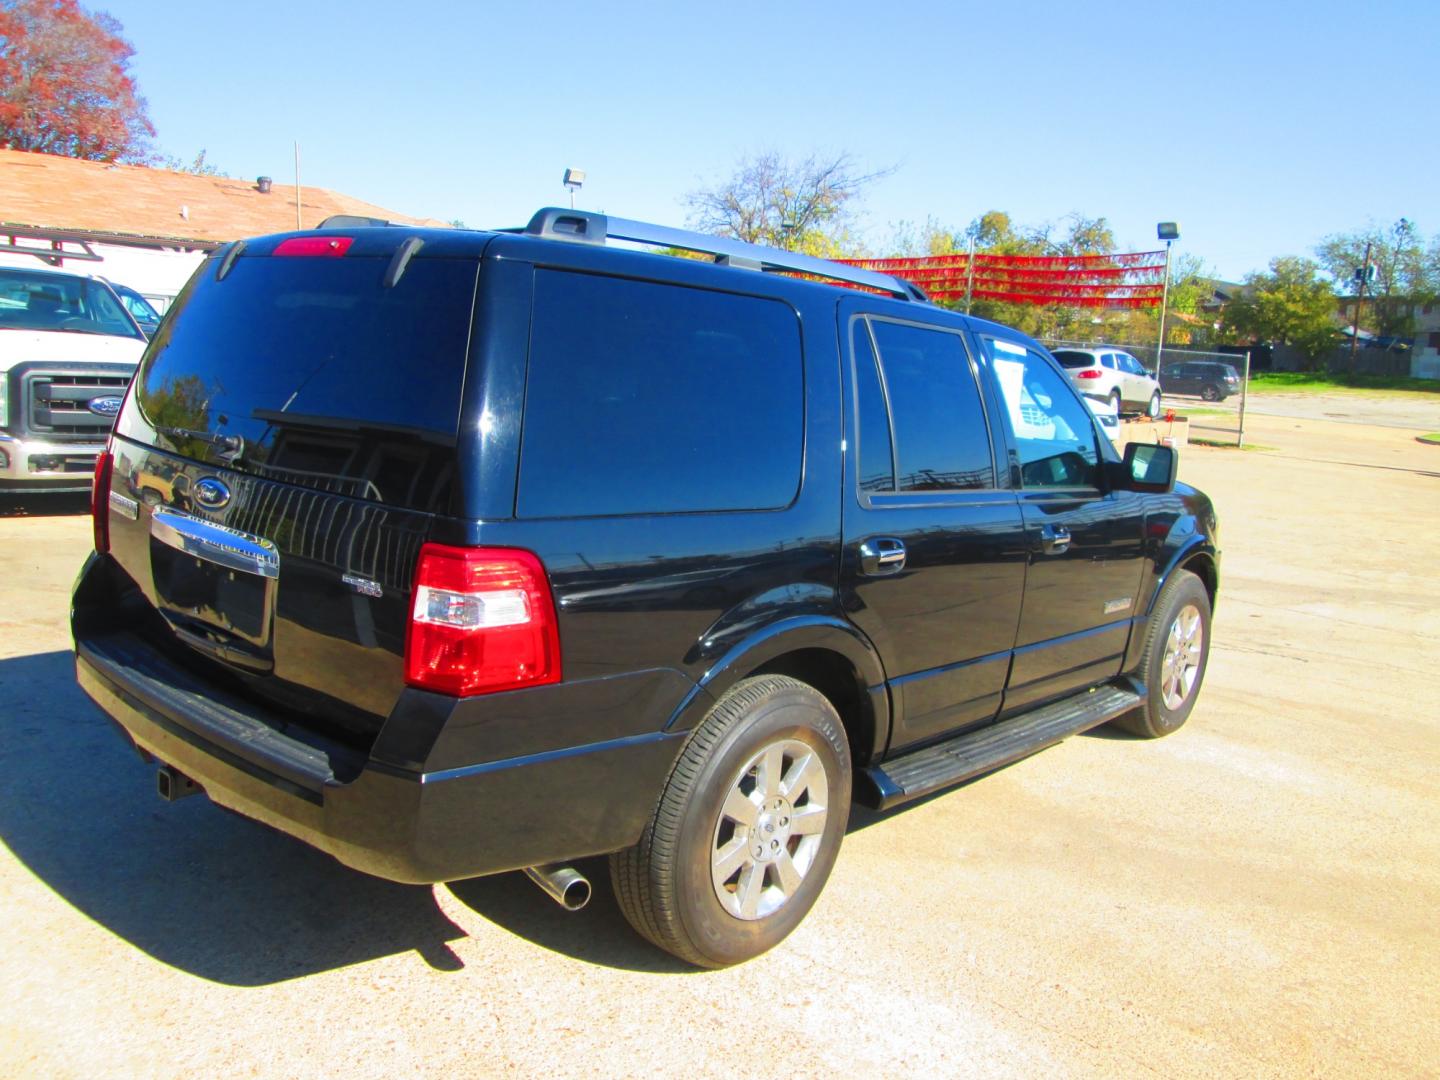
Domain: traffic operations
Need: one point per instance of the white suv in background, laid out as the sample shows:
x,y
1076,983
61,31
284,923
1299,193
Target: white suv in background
x,y
1110,374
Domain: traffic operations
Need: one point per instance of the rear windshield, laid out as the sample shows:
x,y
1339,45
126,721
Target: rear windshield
x,y
35,300
1071,359
309,370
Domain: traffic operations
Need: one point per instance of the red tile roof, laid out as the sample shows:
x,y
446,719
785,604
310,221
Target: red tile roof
x,y
45,191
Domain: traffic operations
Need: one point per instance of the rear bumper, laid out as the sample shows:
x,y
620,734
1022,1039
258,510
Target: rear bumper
x,y
404,825
36,465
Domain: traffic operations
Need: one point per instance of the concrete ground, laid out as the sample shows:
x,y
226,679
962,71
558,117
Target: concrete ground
x,y
1254,896
1395,410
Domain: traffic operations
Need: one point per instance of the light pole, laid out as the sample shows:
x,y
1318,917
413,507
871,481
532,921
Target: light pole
x,y
1169,231
574,179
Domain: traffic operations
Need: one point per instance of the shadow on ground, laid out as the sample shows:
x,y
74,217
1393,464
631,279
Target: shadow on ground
x,y
215,894
68,504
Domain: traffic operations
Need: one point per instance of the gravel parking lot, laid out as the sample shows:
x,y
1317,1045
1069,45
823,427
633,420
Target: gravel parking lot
x,y
1254,896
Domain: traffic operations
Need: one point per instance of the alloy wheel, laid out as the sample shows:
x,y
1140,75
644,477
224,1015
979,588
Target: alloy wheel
x,y
1180,669
769,829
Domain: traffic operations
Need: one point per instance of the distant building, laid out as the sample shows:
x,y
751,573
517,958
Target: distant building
x,y
142,227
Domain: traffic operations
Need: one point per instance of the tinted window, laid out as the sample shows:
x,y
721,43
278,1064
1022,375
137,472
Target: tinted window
x,y
877,467
1108,360
1052,427
318,374
941,441
1071,359
646,398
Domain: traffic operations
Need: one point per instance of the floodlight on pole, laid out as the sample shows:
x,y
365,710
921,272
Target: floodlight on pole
x,y
573,180
1169,231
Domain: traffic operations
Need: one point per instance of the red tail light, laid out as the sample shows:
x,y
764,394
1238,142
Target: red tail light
x,y
333,246
100,501
1088,373
482,620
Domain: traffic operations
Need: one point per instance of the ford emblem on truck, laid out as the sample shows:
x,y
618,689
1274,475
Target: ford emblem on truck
x,y
104,406
211,493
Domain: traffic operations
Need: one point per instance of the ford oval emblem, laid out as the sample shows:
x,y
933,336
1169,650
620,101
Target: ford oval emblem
x,y
211,493
104,406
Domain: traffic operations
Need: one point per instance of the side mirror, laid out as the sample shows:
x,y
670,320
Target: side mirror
x,y
1148,467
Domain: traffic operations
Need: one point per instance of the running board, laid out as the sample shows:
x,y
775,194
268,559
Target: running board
x,y
965,756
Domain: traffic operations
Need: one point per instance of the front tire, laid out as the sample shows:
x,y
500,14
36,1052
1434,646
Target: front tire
x,y
747,829
1153,409
1177,650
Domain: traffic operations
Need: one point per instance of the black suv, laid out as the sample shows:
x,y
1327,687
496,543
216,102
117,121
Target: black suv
x,y
484,551
1212,380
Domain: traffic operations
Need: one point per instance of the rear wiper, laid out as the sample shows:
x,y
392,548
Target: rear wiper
x,y
229,446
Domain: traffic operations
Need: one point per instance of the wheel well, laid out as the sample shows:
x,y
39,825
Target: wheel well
x,y
1203,567
835,677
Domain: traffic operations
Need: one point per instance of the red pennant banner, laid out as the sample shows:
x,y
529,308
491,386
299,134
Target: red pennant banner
x,y
1123,280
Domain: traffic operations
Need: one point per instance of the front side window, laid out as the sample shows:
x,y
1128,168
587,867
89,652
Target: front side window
x,y
645,398
1052,427
941,439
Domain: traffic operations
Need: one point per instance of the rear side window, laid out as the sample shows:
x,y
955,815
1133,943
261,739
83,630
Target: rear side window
x,y
941,439
646,398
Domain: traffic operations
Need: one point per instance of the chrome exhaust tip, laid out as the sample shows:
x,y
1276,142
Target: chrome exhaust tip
x,y
564,884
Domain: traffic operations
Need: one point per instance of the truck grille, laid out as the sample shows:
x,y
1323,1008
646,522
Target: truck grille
x,y
57,403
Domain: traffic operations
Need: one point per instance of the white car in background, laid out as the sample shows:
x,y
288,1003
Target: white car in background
x,y
1104,412
1109,374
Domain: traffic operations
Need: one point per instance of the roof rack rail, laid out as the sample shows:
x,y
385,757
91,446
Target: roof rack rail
x,y
582,226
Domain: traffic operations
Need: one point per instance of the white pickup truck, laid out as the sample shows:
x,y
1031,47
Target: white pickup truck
x,y
68,349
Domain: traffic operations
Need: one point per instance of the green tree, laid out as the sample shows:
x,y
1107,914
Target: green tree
x,y
1406,273
801,205
65,85
1291,305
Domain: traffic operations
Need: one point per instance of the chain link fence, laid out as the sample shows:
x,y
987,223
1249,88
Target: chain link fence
x,y
1216,410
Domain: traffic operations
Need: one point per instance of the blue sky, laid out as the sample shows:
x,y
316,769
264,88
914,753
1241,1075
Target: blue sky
x,y
1260,127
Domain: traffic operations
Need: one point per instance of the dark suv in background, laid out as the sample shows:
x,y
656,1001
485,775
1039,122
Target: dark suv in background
x,y
483,551
1210,379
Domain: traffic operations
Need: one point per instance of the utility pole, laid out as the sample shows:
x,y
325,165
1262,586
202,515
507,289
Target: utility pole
x,y
1362,275
969,274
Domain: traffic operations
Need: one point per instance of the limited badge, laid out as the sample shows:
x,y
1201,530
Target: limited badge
x,y
1112,606
364,586
128,507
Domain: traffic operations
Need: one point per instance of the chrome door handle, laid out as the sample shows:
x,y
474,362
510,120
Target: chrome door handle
x,y
882,555
1054,539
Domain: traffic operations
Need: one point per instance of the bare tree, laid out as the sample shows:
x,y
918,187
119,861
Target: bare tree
x,y
804,205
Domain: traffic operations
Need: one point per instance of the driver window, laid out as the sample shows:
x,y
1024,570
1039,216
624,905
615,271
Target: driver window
x,y
1053,429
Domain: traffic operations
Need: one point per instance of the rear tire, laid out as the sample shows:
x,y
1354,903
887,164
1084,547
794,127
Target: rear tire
x,y
1177,649
747,828
1209,393
1115,401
